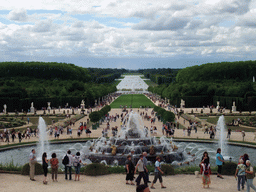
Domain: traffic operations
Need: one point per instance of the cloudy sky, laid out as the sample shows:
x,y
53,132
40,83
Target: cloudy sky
x,y
128,34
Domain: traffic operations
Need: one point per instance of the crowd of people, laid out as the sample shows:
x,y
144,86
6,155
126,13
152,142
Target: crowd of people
x,y
68,160
143,173
244,171
12,134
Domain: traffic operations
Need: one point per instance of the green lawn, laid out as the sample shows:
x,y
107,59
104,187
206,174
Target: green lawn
x,y
135,101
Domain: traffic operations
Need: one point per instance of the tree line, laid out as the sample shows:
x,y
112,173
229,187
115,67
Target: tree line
x,y
59,83
206,84
161,75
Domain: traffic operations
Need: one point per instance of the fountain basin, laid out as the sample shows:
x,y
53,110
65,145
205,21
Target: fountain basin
x,y
19,155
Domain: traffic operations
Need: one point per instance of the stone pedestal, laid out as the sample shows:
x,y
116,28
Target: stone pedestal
x,y
32,109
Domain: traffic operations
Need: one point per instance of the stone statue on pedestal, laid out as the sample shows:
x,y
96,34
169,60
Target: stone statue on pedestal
x,y
82,104
49,106
32,109
234,106
5,109
218,105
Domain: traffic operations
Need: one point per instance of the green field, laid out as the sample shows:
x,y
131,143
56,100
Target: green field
x,y
132,100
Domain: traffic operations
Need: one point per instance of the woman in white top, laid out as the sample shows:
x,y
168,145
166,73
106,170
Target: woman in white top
x,y
77,165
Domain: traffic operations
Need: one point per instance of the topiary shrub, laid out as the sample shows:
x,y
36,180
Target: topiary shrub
x,y
167,169
95,169
229,168
38,169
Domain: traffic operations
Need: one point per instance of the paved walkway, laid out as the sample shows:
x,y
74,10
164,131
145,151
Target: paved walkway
x,y
113,183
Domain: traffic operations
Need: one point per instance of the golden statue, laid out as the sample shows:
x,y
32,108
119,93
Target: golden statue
x,y
113,152
152,150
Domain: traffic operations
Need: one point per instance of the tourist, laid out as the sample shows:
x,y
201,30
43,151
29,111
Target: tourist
x,y
158,173
249,176
1,136
142,188
151,130
45,167
189,131
245,157
140,166
206,129
54,165
205,170
77,165
163,128
229,133
78,132
88,132
155,130
240,173
129,170
67,161
7,137
13,135
219,162
211,132
205,158
32,161
145,162
243,134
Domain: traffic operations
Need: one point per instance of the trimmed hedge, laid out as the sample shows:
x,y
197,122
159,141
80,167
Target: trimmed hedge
x,y
168,169
26,169
229,168
95,169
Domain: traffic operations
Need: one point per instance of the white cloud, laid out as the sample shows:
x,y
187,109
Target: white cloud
x,y
163,28
18,15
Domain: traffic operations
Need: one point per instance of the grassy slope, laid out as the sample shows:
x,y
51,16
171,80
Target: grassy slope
x,y
135,100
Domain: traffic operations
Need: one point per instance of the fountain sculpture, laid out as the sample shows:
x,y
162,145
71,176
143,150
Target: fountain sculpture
x,y
132,139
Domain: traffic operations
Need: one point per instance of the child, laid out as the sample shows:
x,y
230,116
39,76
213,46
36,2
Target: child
x,y
205,171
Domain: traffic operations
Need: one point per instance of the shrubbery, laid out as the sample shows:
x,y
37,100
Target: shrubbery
x,y
229,168
95,169
168,169
26,169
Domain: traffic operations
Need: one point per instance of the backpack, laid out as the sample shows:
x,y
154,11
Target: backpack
x,y
65,161
76,162
54,163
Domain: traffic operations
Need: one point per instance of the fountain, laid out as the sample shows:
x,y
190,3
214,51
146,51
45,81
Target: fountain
x,y
132,138
221,128
43,145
